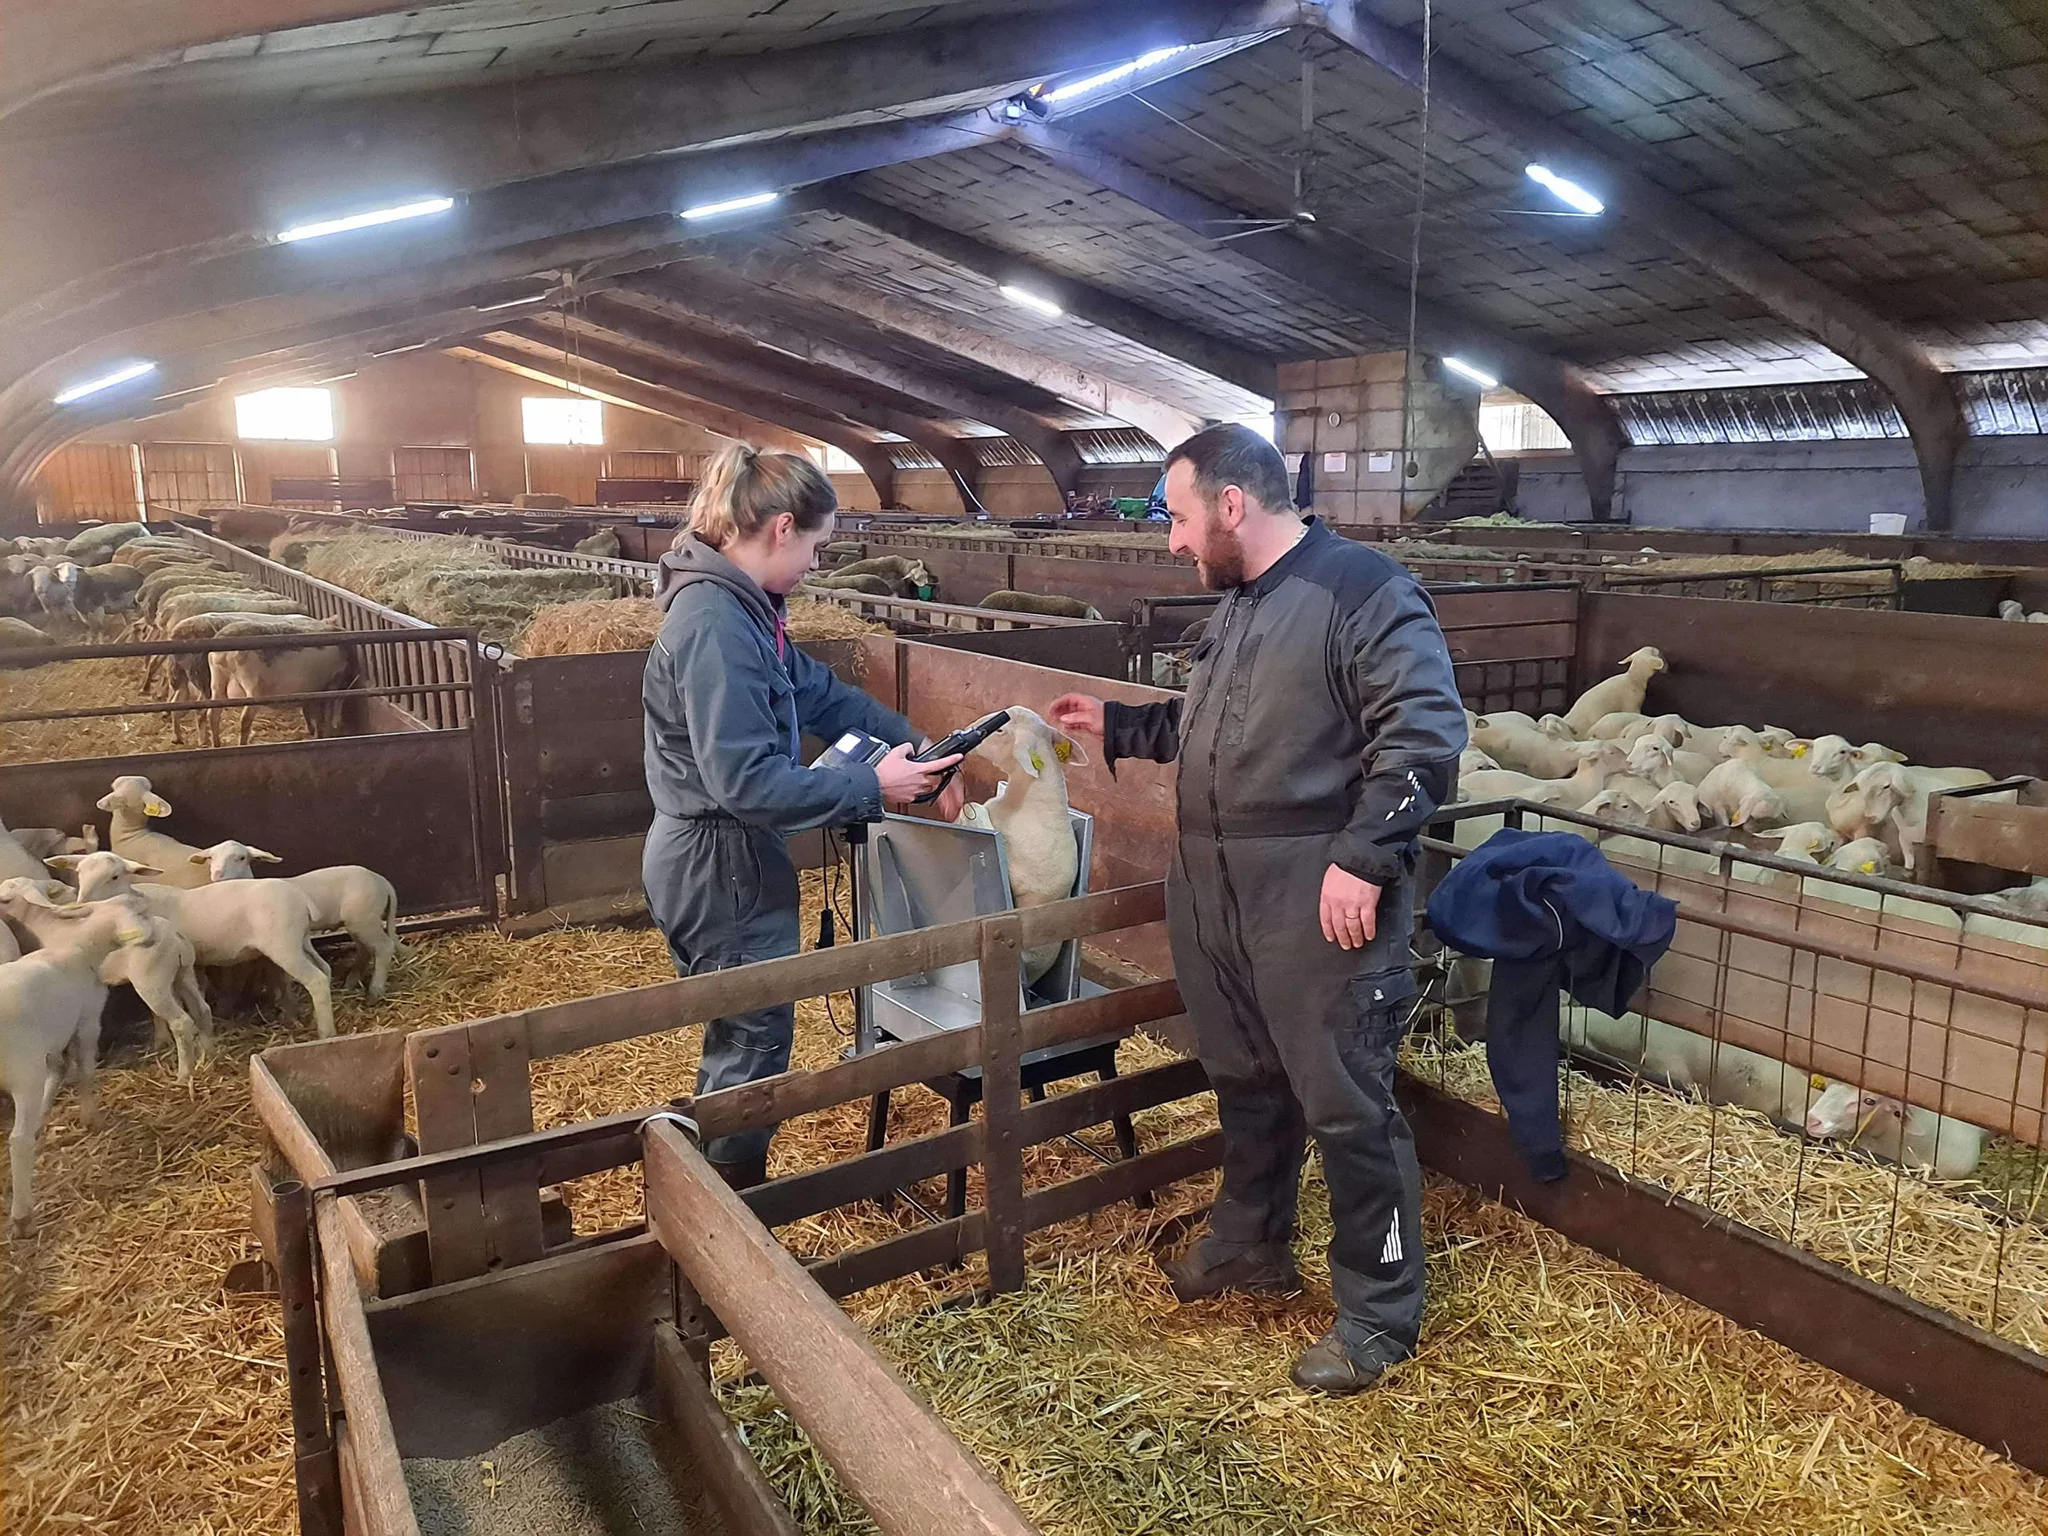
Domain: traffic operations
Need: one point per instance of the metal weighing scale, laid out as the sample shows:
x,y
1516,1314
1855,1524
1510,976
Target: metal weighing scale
x,y
913,874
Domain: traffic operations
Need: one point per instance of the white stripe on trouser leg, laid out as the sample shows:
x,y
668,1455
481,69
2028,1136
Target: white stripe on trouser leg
x,y
1390,1250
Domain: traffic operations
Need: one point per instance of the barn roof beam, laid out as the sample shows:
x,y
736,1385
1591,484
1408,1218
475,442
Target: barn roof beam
x,y
1924,396
1587,418
677,321
677,362
1166,422
789,430
234,172
1170,338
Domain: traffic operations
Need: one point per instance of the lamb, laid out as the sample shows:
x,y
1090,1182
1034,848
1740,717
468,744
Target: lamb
x,y
280,672
1595,761
1736,797
1652,757
604,544
20,635
1169,670
1895,1131
1472,760
51,842
1724,1073
159,967
868,585
1863,856
228,923
905,574
1516,742
1623,726
1676,808
1807,841
1622,693
347,896
50,1006
138,551
1029,813
96,545
182,605
16,862
1046,603
1805,796
130,805
190,673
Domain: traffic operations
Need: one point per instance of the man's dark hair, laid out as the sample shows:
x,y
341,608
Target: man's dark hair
x,y
1229,454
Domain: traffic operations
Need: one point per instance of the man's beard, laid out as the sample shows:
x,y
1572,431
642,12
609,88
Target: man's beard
x,y
1223,568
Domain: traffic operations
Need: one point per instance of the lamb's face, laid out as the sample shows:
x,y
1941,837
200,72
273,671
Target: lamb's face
x,y
1683,801
1029,747
1649,756
1844,1112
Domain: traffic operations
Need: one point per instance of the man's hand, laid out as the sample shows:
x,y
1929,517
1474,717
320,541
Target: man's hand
x,y
1350,909
1078,715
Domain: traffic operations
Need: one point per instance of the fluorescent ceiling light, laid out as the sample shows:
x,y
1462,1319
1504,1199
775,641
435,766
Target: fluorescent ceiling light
x,y
120,375
531,298
1110,76
1569,193
1030,300
730,205
416,210
1483,380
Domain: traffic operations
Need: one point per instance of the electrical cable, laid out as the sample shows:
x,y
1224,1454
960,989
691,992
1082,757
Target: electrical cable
x,y
1408,464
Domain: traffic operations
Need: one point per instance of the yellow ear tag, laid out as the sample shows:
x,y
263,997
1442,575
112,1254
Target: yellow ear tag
x,y
1868,867
1819,1082
1037,762
1799,749
1063,750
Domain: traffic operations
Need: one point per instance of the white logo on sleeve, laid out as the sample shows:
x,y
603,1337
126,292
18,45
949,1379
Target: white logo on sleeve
x,y
1390,1250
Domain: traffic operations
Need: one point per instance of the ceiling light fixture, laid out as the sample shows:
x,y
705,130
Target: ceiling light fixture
x,y
531,298
120,375
1483,380
1111,76
730,205
1570,193
418,210
1035,302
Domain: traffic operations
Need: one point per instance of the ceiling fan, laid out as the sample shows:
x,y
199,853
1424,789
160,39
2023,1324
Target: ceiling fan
x,y
1301,214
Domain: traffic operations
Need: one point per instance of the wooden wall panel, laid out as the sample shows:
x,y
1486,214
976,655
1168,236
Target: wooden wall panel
x,y
84,482
564,471
640,464
433,474
182,476
265,462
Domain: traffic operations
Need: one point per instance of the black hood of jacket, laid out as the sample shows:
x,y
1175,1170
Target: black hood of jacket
x,y
693,561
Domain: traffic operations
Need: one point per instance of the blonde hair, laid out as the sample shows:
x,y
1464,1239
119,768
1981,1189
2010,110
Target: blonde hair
x,y
745,490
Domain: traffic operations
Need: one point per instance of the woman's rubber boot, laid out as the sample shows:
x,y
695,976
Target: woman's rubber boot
x,y
745,1173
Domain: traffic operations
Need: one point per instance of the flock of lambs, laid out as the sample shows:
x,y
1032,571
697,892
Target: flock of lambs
x,y
1862,809
151,911
168,590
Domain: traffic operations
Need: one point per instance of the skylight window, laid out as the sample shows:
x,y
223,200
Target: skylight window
x,y
551,421
291,415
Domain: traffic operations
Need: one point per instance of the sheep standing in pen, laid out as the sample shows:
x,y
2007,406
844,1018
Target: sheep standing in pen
x,y
905,575
1030,814
131,805
1895,1131
1620,694
159,967
50,1006
1047,604
69,590
229,923
346,896
280,672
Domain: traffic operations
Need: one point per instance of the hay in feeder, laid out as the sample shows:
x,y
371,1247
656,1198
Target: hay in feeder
x,y
809,619
577,629
444,582
100,682
1795,560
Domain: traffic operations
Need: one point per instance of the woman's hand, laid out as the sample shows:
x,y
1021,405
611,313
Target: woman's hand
x,y
903,781
1078,715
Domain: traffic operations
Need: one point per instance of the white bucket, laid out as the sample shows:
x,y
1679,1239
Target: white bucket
x,y
1888,522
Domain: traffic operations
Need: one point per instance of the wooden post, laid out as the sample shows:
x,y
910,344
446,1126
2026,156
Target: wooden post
x,y
1002,1086
313,1463
905,1466
384,1508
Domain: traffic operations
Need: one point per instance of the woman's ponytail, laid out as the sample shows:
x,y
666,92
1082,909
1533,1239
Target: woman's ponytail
x,y
745,490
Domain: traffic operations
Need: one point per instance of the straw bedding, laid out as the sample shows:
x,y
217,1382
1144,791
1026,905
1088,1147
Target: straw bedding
x,y
1685,565
103,681
1556,1391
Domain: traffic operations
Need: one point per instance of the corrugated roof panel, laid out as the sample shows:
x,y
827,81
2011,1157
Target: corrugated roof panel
x,y
1117,445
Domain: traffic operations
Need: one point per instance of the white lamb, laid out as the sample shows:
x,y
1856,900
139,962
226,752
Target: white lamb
x,y
1030,814
1516,742
16,862
1896,1131
1807,841
229,923
1622,693
1737,797
1653,757
130,806
347,896
1863,856
159,967
50,1005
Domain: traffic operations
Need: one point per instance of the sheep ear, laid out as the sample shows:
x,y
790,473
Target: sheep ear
x,y
144,869
1068,750
156,805
105,802
267,858
67,862
90,836
197,858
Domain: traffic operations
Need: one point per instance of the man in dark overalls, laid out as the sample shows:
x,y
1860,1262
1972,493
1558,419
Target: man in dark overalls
x,y
1320,730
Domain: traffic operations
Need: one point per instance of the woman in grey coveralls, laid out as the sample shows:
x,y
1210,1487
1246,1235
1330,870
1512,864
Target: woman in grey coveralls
x,y
728,698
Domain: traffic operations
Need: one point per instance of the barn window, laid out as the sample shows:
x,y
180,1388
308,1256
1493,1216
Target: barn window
x,y
295,415
549,420
835,461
